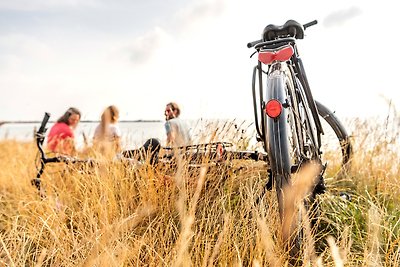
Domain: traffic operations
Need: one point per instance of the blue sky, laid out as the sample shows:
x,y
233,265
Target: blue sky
x,y
139,55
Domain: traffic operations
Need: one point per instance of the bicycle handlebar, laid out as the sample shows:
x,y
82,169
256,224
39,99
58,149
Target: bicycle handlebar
x,y
309,24
46,118
251,44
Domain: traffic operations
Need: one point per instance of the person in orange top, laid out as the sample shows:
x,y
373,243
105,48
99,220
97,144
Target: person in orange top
x,y
61,136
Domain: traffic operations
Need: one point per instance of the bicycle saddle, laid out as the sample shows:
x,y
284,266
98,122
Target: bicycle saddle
x,y
291,28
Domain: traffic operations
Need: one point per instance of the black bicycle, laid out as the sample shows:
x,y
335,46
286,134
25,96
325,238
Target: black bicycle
x,y
288,120
196,155
42,159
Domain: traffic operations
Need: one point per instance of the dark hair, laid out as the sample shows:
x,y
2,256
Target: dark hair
x,y
64,118
174,106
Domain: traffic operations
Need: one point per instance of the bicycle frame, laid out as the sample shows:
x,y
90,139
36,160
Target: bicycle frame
x,y
213,151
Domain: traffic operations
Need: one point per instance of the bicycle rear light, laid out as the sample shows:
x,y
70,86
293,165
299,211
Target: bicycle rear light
x,y
273,108
281,54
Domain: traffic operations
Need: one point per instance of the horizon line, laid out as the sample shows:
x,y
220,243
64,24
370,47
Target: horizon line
x,y
84,121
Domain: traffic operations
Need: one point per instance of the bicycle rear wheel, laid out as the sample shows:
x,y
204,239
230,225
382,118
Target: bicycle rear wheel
x,y
291,142
277,139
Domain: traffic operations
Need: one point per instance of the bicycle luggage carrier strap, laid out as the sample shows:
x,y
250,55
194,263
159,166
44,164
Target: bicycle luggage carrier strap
x,y
275,43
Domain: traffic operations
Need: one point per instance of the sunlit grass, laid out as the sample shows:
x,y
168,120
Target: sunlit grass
x,y
115,214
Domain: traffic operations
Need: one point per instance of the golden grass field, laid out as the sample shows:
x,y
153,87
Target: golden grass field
x,y
116,215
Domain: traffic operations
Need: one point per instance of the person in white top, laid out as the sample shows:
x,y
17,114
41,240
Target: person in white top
x,y
178,135
177,131
107,135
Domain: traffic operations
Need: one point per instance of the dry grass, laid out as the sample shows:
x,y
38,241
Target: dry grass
x,y
117,215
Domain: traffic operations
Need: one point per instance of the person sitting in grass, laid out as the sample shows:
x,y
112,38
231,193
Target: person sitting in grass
x,y
61,136
177,131
107,135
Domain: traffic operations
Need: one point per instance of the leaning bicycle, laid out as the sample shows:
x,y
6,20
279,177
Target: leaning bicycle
x,y
288,121
42,160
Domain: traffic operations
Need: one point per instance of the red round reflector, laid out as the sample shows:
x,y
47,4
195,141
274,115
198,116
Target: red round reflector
x,y
273,108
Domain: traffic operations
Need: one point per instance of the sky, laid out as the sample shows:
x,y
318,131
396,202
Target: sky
x,y
141,54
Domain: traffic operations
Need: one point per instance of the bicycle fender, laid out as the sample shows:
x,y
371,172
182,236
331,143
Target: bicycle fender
x,y
277,129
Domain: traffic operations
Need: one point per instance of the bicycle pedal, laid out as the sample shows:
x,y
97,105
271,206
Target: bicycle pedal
x,y
345,196
35,182
269,184
320,187
294,168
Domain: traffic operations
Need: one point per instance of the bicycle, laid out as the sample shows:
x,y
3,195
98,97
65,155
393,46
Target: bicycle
x,y
42,159
287,120
196,155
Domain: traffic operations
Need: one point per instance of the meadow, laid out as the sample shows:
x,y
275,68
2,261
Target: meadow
x,y
116,214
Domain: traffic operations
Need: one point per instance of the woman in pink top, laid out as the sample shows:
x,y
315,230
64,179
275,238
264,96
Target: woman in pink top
x,y
61,135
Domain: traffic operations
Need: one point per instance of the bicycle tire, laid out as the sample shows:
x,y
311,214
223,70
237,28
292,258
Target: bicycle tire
x,y
276,139
284,137
278,148
340,132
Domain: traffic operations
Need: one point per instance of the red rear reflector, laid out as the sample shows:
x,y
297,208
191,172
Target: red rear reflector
x,y
269,56
273,108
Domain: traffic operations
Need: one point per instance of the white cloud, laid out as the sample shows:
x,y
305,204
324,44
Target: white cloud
x,y
34,5
143,47
199,11
195,55
340,17
19,49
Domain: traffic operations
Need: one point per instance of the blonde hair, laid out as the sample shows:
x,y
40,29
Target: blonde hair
x,y
101,138
110,115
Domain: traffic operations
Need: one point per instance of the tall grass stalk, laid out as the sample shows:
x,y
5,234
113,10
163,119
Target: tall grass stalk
x,y
118,214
